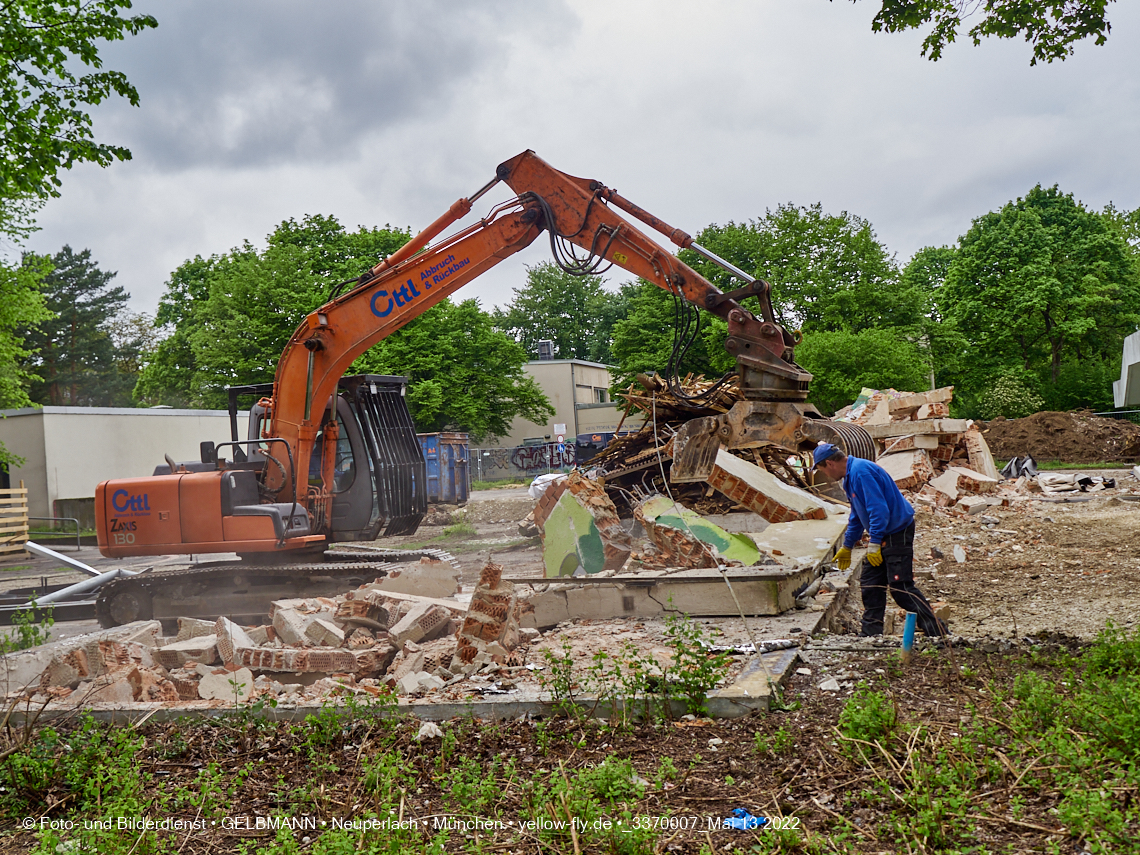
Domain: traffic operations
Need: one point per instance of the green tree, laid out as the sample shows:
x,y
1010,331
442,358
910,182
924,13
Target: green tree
x,y
828,272
227,318
1039,285
73,355
1052,27
463,373
575,312
21,303
644,340
843,362
44,49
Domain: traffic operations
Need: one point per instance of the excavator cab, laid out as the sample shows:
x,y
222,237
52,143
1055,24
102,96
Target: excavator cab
x,y
379,473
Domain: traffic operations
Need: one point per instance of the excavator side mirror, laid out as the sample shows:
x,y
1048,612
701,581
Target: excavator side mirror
x,y
209,454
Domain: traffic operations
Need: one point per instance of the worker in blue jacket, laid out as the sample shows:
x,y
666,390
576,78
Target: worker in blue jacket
x,y
878,508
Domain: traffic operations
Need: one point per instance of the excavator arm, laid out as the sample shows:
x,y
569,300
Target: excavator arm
x,y
578,214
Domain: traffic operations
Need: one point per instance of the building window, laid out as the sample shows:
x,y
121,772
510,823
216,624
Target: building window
x,y
602,396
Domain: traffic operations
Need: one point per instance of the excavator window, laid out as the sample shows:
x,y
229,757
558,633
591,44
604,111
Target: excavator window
x,y
344,471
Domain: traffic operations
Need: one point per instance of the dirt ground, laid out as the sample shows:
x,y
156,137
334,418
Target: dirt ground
x,y
1045,566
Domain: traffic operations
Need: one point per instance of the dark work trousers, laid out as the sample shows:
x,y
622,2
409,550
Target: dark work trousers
x,y
896,573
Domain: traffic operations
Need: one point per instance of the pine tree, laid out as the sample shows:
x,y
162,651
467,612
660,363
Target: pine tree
x,y
74,354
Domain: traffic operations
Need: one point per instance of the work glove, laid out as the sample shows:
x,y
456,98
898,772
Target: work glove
x,y
875,554
843,558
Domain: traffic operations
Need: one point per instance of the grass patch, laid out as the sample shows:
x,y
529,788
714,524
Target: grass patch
x,y
1055,465
461,528
16,567
495,485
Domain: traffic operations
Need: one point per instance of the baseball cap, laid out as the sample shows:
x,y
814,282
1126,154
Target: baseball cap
x,y
822,452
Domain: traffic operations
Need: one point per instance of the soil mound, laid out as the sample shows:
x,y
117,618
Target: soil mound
x,y
1078,437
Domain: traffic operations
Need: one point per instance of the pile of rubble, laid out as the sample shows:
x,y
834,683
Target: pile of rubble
x,y
641,461
372,640
945,462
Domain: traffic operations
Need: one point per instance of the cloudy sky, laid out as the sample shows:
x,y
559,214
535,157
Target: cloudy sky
x,y
255,111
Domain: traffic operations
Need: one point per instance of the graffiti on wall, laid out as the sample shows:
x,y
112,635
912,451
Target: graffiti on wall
x,y
552,455
495,463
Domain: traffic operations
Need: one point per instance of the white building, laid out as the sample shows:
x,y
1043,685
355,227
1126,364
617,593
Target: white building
x,y
67,451
579,391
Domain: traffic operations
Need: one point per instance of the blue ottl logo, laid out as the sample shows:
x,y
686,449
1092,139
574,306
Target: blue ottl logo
x,y
123,502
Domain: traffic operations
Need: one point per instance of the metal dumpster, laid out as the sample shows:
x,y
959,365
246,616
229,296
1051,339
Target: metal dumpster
x,y
446,455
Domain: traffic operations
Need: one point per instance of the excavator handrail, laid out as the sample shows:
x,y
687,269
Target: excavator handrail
x,y
292,469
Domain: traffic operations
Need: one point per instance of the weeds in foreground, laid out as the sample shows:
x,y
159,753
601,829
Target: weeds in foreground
x,y
1069,747
629,685
31,631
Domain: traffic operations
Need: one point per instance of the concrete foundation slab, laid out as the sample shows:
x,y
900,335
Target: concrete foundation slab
x,y
804,543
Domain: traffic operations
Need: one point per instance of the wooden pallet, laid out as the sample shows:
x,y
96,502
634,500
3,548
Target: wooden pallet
x,y
13,521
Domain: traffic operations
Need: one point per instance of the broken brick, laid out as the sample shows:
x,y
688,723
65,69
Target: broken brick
x,y
762,492
908,469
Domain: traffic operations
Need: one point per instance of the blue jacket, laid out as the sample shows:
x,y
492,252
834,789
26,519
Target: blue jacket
x,y
877,506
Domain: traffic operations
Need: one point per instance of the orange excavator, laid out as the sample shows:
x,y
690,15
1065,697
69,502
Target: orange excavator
x,y
329,458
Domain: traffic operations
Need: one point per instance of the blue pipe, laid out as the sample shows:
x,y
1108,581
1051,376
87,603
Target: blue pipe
x,y
908,632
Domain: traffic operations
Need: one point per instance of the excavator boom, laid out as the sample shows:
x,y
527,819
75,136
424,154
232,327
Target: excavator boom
x,y
301,428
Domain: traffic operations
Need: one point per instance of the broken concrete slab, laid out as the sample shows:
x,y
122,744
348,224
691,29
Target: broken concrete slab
x,y
699,592
231,638
324,633
422,623
908,469
747,522
152,686
289,625
762,492
583,530
909,428
912,402
235,686
685,539
906,443
201,648
971,505
398,604
418,682
108,689
86,657
429,578
978,452
804,543
957,480
193,628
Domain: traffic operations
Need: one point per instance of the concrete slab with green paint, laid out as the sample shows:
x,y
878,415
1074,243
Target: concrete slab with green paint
x,y
661,511
571,539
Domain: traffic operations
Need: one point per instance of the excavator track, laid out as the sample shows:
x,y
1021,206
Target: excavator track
x,y
243,590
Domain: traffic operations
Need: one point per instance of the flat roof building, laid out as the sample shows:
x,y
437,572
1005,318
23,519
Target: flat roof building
x,y
67,451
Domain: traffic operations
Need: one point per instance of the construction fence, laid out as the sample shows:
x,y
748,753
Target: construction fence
x,y
13,521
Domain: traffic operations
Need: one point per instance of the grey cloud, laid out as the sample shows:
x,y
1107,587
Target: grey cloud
x,y
270,81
